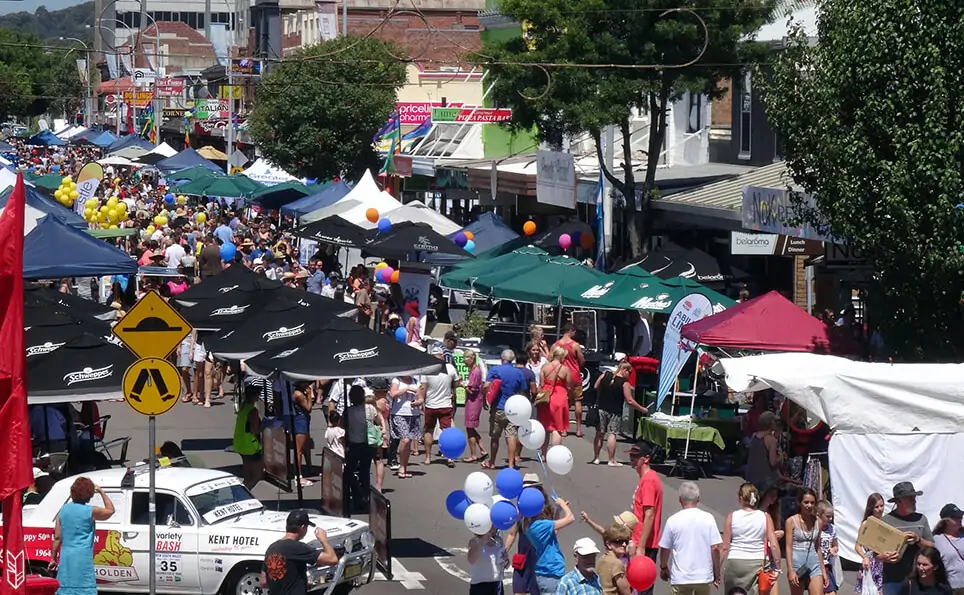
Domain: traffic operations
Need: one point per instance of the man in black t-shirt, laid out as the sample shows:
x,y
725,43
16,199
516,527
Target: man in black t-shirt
x,y
286,560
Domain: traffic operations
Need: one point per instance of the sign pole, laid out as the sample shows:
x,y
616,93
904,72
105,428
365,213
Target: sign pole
x,y
151,503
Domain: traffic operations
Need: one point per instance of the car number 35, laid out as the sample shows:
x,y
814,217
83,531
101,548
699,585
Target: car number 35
x,y
167,565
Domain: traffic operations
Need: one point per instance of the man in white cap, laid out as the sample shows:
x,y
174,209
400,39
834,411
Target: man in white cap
x,y
582,580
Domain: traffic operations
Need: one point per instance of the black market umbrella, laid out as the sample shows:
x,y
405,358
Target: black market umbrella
x,y
671,261
278,323
406,237
35,293
149,159
40,340
225,311
88,368
236,278
336,231
42,315
312,300
343,349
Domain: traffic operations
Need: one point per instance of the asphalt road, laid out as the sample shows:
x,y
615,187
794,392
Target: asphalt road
x,y
428,544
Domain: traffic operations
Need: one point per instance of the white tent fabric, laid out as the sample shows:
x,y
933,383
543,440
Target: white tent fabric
x,y
891,423
417,212
115,160
7,178
367,192
71,133
265,172
338,208
851,396
165,149
31,215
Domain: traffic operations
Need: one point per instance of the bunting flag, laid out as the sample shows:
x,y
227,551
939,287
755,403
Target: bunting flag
x,y
395,129
423,129
16,467
187,132
391,128
600,223
147,130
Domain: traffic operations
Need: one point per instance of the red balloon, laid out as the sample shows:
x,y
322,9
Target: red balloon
x,y
641,573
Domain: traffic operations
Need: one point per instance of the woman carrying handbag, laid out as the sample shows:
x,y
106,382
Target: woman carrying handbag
x,y
750,550
552,402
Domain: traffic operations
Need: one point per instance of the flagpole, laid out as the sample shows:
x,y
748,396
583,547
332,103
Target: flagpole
x,y
152,503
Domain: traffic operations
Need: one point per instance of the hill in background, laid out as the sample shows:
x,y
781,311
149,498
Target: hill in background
x,y
50,25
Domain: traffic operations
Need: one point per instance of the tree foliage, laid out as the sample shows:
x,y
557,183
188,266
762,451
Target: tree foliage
x,y
50,25
571,95
316,112
35,79
873,128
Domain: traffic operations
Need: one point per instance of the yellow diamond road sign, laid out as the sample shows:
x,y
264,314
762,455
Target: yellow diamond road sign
x,y
152,328
152,386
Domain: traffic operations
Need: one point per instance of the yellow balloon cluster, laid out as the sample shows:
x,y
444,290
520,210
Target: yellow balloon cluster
x,y
108,215
67,193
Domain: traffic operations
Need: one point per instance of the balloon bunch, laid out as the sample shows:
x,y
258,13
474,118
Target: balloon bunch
x,y
67,193
476,504
584,240
108,215
465,240
386,274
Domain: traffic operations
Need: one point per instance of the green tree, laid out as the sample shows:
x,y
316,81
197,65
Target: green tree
x,y
568,93
316,112
872,126
35,79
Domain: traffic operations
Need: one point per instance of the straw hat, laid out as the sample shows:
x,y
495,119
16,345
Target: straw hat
x,y
626,518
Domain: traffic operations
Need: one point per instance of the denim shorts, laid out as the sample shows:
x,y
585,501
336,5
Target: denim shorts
x,y
302,424
547,584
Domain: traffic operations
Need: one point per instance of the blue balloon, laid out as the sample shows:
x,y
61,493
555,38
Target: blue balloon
x,y
384,225
469,246
228,250
576,237
460,239
169,198
452,443
456,503
400,335
503,515
379,276
531,502
509,483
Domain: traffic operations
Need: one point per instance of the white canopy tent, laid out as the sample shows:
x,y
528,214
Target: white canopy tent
x,y
266,173
369,196
116,160
890,422
71,132
165,150
338,208
416,212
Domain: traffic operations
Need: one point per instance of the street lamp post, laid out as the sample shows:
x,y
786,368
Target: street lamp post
x,y
89,104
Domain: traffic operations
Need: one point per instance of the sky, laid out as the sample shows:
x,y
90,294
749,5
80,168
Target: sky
x,y
8,6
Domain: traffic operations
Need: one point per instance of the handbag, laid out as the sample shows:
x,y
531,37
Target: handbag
x,y
519,562
542,397
765,576
375,436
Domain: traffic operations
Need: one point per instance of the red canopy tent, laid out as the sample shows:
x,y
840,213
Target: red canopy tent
x,y
769,322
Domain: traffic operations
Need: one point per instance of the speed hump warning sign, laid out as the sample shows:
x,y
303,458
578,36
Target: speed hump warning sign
x,y
152,386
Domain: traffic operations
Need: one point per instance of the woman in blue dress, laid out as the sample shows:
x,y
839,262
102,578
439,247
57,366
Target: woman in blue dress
x,y
73,546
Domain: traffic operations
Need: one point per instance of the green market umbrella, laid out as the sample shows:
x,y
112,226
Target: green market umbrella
x,y
681,287
274,197
542,284
465,276
193,174
48,181
230,186
632,288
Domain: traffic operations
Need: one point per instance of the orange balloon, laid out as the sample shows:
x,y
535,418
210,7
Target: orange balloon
x,y
469,235
529,228
395,276
372,215
586,241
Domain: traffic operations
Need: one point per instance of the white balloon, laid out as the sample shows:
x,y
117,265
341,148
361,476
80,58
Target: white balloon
x,y
518,409
559,460
477,518
478,487
532,434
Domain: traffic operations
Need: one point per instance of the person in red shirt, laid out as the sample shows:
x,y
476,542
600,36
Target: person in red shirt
x,y
647,505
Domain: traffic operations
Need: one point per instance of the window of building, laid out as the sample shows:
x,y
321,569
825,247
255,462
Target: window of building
x,y
746,114
695,121
200,20
192,20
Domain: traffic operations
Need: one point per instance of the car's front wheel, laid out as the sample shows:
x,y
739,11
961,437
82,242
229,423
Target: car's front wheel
x,y
245,579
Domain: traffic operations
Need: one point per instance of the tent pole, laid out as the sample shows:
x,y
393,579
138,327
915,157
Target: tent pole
x,y
689,430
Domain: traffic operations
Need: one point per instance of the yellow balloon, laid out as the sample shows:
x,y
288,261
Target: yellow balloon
x,y
117,181
67,180
58,194
163,221
112,202
201,218
72,186
91,203
165,213
88,213
113,227
181,200
112,214
104,209
73,195
381,265
121,205
151,229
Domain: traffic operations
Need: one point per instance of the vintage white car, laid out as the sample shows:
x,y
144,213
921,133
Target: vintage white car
x,y
211,535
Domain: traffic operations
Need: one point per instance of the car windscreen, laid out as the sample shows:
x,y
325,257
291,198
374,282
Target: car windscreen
x,y
224,502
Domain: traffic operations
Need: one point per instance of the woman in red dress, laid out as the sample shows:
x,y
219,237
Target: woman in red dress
x,y
555,414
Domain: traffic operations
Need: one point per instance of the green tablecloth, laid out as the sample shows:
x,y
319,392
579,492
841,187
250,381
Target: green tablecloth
x,y
659,434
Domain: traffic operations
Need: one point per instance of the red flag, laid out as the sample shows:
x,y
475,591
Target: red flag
x,y
16,466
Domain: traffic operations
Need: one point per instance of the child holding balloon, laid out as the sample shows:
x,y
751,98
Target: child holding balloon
x,y
488,559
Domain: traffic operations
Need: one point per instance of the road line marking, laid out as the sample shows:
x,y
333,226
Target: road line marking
x,y
446,564
410,580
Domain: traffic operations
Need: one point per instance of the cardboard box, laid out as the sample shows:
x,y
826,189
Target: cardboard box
x,y
880,538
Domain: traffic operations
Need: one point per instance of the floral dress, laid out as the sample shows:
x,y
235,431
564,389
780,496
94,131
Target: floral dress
x,y
876,574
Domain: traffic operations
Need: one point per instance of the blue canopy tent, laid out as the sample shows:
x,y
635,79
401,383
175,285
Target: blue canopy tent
x,y
104,140
86,137
45,138
489,231
130,140
185,159
38,201
55,251
327,196
7,147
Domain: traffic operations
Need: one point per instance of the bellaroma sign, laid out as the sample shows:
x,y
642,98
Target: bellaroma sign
x,y
769,209
556,179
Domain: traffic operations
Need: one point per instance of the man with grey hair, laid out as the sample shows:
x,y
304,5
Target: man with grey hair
x,y
693,539
502,382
